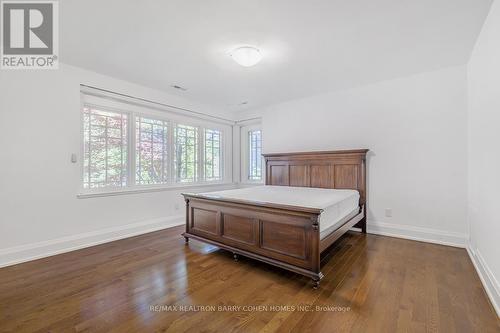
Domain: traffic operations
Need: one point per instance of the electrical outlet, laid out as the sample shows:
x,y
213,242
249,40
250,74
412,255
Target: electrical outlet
x,y
388,212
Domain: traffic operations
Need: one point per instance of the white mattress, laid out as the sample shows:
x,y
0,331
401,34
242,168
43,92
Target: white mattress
x,y
337,205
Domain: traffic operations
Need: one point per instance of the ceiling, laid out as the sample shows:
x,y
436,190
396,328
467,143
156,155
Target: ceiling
x,y
309,47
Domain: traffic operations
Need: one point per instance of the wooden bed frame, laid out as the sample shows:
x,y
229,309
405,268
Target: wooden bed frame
x,y
284,236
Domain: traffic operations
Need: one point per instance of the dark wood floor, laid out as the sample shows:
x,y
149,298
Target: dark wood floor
x,y
371,284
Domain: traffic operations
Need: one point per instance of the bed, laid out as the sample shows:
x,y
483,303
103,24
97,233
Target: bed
x,y
309,200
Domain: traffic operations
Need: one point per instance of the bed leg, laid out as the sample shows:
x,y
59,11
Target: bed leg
x,y
235,257
315,283
186,240
363,225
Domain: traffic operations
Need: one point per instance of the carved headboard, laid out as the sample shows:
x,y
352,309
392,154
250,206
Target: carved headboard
x,y
341,169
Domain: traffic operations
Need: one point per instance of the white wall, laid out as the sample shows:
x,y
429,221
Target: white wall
x,y
484,153
39,129
416,130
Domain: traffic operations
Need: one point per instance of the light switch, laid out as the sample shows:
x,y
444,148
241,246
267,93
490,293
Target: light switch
x,y
73,158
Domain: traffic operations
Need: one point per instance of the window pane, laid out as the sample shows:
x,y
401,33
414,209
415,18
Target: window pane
x,y
186,153
212,155
255,155
151,164
105,148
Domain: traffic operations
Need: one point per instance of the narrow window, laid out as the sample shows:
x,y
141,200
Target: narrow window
x,y
212,155
105,148
151,159
255,155
186,153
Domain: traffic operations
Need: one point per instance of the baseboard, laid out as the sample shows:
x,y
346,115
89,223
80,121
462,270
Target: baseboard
x,y
418,234
23,253
490,283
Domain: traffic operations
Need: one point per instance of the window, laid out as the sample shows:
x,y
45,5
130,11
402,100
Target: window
x,y
128,147
105,148
212,156
186,153
151,151
252,170
255,155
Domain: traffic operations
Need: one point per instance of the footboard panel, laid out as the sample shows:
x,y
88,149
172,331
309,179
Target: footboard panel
x,y
286,236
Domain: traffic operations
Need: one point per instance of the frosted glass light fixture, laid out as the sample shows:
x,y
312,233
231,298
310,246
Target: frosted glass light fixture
x,y
246,56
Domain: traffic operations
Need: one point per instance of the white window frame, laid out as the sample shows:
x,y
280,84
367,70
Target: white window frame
x,y
82,149
197,178
221,151
132,111
245,153
133,174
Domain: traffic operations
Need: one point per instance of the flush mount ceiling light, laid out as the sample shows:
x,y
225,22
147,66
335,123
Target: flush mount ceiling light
x,y
246,56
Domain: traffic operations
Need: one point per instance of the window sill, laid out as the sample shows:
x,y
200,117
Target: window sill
x,y
251,183
138,189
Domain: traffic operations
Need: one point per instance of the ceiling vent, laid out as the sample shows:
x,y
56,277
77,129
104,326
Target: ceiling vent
x,y
178,87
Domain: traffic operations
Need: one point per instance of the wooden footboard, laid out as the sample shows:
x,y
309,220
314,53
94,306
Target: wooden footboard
x,y
286,237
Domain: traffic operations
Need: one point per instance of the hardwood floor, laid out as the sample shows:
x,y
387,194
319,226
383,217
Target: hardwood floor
x,y
377,284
